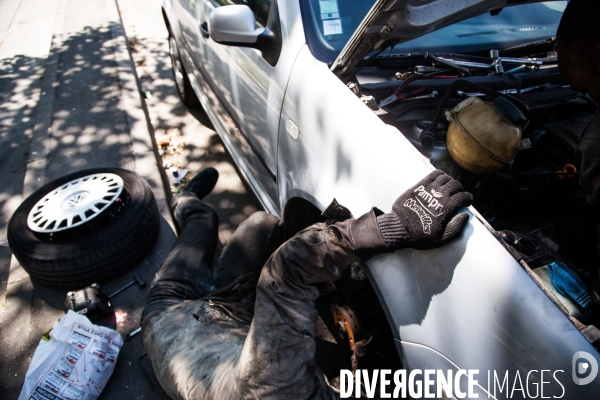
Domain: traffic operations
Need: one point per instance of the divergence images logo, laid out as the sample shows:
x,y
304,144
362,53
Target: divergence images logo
x,y
581,368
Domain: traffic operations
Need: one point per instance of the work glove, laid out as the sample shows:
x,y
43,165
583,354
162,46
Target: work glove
x,y
424,217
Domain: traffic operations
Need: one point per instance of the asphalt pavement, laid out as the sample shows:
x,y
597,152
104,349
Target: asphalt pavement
x,y
88,84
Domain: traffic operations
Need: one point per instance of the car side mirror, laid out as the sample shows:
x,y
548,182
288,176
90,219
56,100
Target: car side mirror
x,y
235,25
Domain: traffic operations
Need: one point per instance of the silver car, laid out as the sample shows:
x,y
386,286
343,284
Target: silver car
x,y
353,100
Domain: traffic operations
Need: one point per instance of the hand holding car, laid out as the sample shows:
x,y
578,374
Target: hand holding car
x,y
425,217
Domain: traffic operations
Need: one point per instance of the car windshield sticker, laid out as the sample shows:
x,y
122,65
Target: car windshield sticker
x,y
329,9
332,27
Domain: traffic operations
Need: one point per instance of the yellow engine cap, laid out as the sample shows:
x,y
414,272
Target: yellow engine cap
x,y
480,139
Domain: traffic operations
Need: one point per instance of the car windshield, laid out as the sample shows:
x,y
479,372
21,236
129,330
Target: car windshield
x,y
329,24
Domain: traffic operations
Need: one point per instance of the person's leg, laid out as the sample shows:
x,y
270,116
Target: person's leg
x,y
250,247
186,272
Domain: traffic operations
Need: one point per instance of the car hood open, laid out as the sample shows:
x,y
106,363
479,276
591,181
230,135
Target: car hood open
x,y
398,21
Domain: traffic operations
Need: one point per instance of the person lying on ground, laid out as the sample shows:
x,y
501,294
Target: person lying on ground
x,y
246,327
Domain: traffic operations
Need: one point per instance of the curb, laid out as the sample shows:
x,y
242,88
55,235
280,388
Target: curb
x,y
147,160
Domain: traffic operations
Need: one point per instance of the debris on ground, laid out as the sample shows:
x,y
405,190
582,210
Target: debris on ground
x,y
171,142
134,44
170,148
178,175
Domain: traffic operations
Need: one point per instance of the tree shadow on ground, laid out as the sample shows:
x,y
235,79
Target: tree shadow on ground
x,y
233,199
88,129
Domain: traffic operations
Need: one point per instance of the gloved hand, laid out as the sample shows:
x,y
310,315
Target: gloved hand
x,y
424,217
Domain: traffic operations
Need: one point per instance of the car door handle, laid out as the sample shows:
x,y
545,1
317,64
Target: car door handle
x,y
204,30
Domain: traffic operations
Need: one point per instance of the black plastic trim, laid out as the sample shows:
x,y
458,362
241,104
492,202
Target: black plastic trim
x,y
270,41
204,30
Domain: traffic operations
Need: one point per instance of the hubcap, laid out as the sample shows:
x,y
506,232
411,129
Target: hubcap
x,y
75,203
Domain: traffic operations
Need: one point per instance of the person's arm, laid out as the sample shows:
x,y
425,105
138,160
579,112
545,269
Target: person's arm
x,y
278,359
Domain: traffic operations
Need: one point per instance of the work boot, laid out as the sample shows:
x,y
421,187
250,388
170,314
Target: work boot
x,y
188,202
203,183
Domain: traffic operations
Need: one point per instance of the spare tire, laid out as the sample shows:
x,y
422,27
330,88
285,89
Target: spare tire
x,y
85,227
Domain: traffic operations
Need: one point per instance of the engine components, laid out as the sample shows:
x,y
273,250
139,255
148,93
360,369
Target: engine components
x,y
351,331
348,325
370,102
574,308
354,88
484,137
512,108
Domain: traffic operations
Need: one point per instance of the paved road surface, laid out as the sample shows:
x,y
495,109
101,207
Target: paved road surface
x,y
69,100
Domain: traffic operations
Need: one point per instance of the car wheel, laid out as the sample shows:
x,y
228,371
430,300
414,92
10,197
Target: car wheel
x,y
182,82
85,227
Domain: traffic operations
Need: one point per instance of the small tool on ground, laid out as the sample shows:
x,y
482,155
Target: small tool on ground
x,y
136,279
133,333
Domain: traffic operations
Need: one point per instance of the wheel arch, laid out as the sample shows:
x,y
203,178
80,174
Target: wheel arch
x,y
167,23
300,213
171,22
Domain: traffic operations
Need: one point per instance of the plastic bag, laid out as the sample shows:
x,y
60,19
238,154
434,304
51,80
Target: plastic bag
x,y
74,361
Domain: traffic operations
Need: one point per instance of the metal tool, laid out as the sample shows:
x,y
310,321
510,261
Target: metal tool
x,y
423,69
132,334
400,95
431,95
496,63
479,94
511,92
136,279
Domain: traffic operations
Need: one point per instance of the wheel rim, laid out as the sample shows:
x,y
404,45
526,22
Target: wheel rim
x,y
75,203
176,65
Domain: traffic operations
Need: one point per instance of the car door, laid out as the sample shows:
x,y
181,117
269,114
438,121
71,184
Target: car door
x,y
250,90
187,15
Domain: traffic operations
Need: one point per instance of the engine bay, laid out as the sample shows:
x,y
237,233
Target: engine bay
x,y
534,203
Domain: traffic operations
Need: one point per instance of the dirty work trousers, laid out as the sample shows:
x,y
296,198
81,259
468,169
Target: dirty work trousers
x,y
186,274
